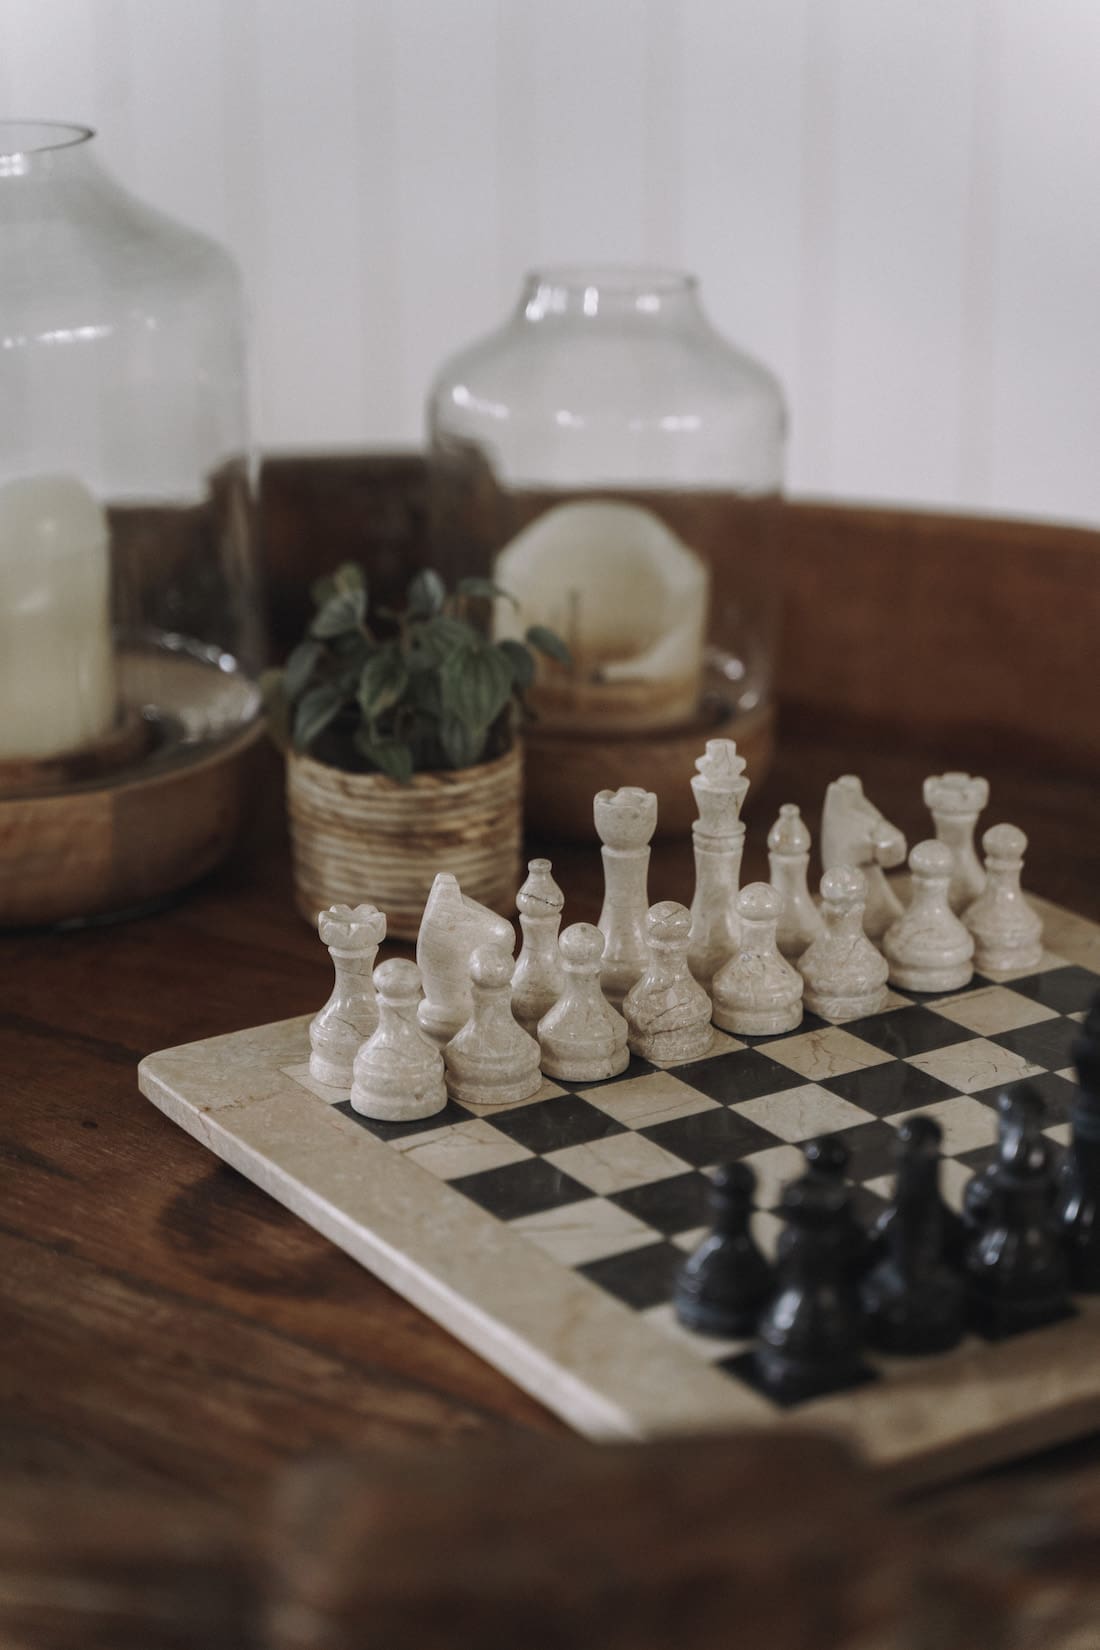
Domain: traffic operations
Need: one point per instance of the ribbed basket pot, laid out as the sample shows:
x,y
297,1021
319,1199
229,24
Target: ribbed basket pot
x,y
359,837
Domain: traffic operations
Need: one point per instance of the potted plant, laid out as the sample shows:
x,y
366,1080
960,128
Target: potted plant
x,y
401,731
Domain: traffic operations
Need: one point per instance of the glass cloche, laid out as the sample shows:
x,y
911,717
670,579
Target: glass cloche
x,y
129,635
616,465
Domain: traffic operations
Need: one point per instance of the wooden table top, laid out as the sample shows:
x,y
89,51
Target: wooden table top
x,y
165,1323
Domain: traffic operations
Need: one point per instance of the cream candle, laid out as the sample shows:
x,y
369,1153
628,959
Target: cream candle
x,y
57,679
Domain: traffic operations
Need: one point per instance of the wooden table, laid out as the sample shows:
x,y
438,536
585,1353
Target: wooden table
x,y
167,1325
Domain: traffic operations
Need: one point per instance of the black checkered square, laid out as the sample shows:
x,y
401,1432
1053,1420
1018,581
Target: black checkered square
x,y
678,1204
905,1031
563,1120
641,1277
743,1075
708,1137
1057,1093
1046,1044
1069,990
525,1188
887,1089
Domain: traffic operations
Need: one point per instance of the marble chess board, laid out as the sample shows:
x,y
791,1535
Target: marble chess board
x,y
546,1235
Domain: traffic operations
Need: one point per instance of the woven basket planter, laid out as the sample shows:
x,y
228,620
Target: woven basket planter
x,y
365,837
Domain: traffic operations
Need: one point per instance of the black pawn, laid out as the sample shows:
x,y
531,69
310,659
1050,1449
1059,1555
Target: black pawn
x,y
827,1159
723,1284
1022,1115
1077,1203
809,1335
912,1301
1016,1272
917,1146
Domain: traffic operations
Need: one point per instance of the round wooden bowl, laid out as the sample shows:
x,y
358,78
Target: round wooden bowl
x,y
564,771
123,844
364,837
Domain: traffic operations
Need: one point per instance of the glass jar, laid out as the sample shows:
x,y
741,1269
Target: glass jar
x,y
610,460
129,633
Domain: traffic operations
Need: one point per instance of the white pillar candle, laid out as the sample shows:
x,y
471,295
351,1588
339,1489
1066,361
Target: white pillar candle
x,y
57,677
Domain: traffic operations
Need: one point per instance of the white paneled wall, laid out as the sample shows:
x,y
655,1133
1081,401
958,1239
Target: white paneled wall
x,y
896,203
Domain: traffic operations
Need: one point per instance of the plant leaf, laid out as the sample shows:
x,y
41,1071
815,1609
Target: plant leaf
x,y
383,681
436,639
348,577
388,755
299,668
426,594
476,684
463,746
520,663
549,642
487,588
342,612
314,711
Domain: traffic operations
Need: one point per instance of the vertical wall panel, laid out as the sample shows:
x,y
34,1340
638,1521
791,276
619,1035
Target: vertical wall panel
x,y
1046,331
445,88
741,173
902,82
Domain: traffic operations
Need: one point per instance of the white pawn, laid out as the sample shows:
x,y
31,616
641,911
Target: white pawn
x,y
845,974
1008,933
928,949
788,862
718,839
492,1061
854,832
625,822
757,993
451,929
398,1071
667,1011
583,1039
955,800
539,978
351,1013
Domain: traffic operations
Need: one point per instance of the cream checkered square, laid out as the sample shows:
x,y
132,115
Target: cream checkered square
x,y
799,1114
973,1065
616,1163
461,1148
640,1102
830,1052
993,1010
580,1232
966,1123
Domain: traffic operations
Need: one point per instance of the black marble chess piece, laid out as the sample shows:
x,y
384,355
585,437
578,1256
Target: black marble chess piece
x,y
917,1148
828,1158
723,1284
912,1300
1016,1272
1077,1199
809,1336
1022,1114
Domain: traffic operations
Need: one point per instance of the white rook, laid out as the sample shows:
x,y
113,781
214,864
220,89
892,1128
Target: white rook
x,y
57,679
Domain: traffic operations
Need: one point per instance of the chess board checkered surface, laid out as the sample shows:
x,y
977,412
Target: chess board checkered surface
x,y
546,1235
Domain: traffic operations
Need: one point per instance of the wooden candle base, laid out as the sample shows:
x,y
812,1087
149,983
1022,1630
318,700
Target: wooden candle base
x,y
112,828
565,770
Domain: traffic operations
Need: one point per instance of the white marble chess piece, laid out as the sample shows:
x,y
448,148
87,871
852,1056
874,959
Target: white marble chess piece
x,y
853,832
845,973
718,839
492,1061
625,822
667,1011
788,864
1008,932
398,1072
539,978
927,948
451,929
353,935
955,800
757,993
582,1038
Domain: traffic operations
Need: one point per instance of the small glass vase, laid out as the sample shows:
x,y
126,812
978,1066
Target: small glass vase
x,y
129,625
611,461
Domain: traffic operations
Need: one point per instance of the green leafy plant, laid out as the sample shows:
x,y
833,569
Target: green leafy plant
x,y
410,692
